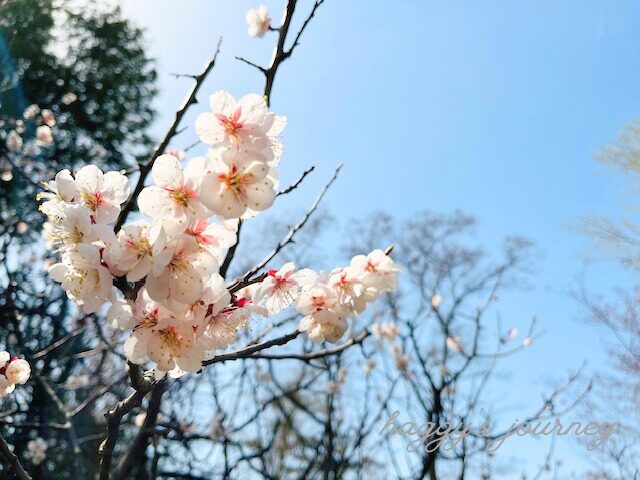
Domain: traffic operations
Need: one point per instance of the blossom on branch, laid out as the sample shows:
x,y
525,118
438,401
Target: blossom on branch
x,y
183,312
238,184
13,371
243,125
174,199
259,21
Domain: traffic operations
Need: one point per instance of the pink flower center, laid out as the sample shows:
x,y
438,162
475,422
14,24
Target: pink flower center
x,y
231,125
235,181
170,337
318,302
92,200
181,195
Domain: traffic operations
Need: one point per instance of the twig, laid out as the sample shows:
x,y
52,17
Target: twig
x,y
295,184
12,461
281,53
322,353
173,130
139,444
114,417
292,231
250,350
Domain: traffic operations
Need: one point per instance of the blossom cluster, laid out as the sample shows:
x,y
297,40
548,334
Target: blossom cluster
x,y
183,311
13,371
37,450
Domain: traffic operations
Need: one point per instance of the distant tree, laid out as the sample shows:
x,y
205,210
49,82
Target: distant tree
x,y
617,388
85,69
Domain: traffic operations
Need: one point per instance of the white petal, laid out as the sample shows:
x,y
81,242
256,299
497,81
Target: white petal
x,y
209,129
117,185
158,286
222,102
89,178
166,172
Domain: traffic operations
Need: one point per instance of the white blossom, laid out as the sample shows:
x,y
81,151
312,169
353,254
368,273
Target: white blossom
x,y
14,141
385,331
18,371
282,287
31,111
68,224
83,276
48,118
44,136
259,21
68,98
453,343
37,450
213,236
321,321
376,271
164,339
238,184
436,300
13,371
182,278
101,193
140,248
174,199
245,125
350,290
63,188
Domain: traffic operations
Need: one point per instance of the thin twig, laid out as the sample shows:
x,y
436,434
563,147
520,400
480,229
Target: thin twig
x,y
173,130
292,231
12,461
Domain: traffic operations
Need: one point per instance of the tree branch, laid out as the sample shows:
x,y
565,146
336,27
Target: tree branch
x,y
173,129
12,461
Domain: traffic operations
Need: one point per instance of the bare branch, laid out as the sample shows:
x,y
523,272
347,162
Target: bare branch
x,y
173,130
12,461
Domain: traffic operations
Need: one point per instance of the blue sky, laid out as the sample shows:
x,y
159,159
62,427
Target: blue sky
x,y
495,108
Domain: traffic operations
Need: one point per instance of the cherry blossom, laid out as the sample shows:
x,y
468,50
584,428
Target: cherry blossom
x,y
222,327
453,343
350,290
385,331
83,276
436,300
68,98
376,270
321,322
37,450
164,339
281,287
120,314
44,137
183,311
213,236
48,118
14,141
245,124
182,278
31,111
174,199
101,193
140,248
63,188
259,21
238,184
18,371
13,371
